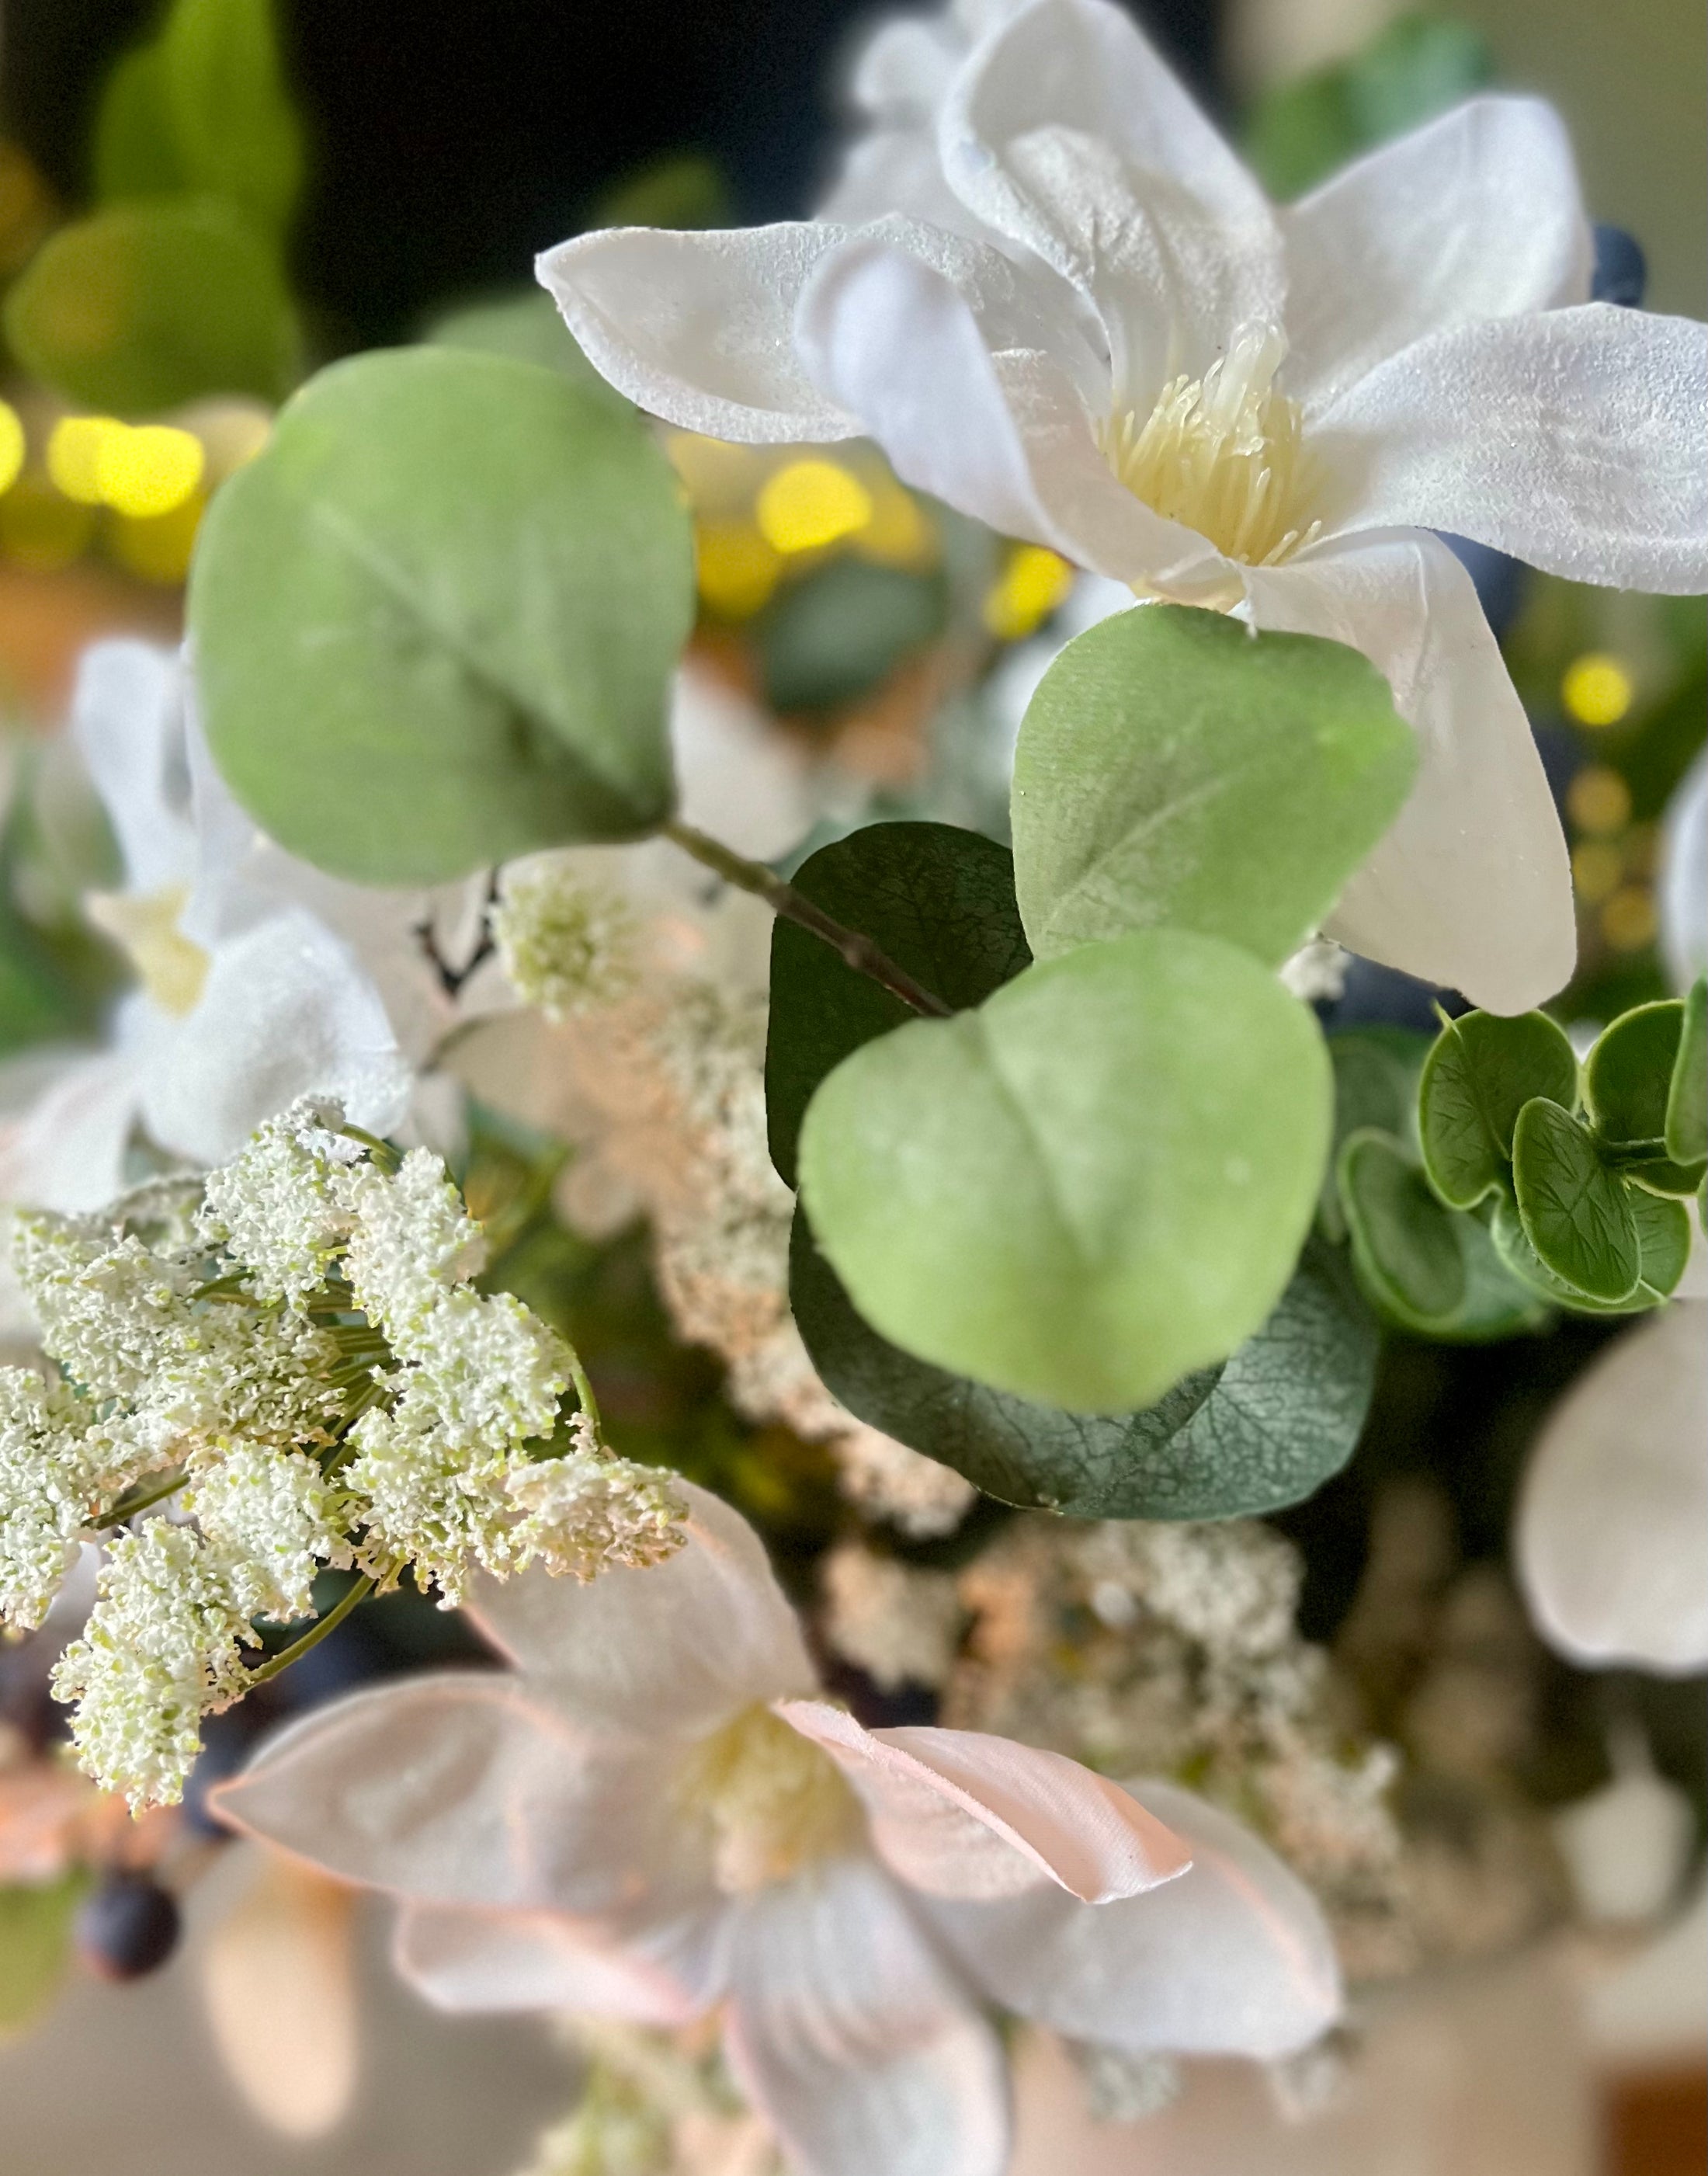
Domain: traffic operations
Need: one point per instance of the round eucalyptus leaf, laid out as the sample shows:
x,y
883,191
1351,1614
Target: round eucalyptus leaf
x,y
1403,1240
146,305
1262,1429
1628,1075
1175,768
1480,1074
1576,1214
436,622
1376,1084
939,902
1096,1182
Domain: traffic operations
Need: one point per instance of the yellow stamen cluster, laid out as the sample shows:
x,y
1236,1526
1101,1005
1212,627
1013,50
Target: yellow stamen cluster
x,y
1222,453
774,1801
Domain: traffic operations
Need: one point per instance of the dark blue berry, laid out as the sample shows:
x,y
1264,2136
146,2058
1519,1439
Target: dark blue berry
x,y
128,1927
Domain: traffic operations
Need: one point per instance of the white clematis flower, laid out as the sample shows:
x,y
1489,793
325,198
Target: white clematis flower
x,y
1613,1525
1124,352
657,1815
246,999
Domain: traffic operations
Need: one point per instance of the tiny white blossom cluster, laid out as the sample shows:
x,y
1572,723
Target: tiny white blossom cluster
x,y
568,942
294,1350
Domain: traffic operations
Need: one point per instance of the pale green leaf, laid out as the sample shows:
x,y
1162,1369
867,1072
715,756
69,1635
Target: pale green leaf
x,y
1096,1182
1174,768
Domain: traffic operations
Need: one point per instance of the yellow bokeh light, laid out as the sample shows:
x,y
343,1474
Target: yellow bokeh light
x,y
74,447
1629,920
12,448
899,534
1596,870
150,471
156,547
737,570
1596,689
811,504
1033,583
1598,800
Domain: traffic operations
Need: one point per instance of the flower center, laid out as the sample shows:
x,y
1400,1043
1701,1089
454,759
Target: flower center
x,y
1222,453
774,1801
173,967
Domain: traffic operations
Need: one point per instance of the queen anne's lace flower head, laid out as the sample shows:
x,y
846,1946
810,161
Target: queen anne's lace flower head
x,y
305,1351
568,942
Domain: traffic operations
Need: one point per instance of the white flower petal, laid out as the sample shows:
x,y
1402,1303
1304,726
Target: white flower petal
x,y
127,719
68,1151
854,2040
1683,884
1003,437
1067,133
738,776
1612,1526
1233,1958
696,328
1470,888
1476,215
285,1012
472,1961
674,1649
457,1789
905,67
959,1812
1572,440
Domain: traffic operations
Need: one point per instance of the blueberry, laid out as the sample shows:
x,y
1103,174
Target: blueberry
x,y
1622,271
128,1927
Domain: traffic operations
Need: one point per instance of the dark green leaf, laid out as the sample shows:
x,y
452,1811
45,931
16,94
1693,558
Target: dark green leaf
x,y
1404,1241
1097,1181
1663,1239
1262,1429
938,900
1577,1215
836,632
1628,1074
1176,768
436,620
34,1945
1481,1074
1376,1084
1687,1094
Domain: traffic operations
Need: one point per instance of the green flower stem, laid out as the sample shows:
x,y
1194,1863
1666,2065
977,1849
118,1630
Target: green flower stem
x,y
358,1590
583,1390
859,952
127,1506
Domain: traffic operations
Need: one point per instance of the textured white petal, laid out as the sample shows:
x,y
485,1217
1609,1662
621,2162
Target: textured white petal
x,y
696,328
67,1152
1476,215
1470,888
285,1012
457,1789
1002,436
1234,1957
855,2041
472,1961
1572,440
959,1812
1612,1526
127,719
1068,133
674,1649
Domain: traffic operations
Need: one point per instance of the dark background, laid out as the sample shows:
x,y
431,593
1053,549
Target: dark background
x,y
452,142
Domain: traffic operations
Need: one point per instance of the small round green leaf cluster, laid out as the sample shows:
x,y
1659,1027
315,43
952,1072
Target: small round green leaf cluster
x,y
1515,1179
293,1351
